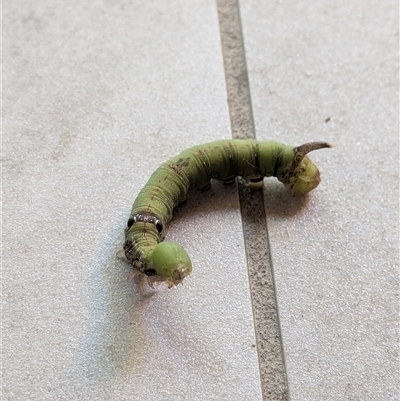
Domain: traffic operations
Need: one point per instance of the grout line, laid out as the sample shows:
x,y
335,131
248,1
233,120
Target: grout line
x,y
262,288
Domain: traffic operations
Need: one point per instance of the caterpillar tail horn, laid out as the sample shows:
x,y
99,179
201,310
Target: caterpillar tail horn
x,y
301,175
302,150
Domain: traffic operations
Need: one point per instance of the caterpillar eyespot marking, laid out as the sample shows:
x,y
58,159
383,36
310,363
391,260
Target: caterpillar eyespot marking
x,y
193,168
131,221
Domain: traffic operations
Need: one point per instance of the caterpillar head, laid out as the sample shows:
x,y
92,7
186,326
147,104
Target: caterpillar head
x,y
301,175
145,250
169,262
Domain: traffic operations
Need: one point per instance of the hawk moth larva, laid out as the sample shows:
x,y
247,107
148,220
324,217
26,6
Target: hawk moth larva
x,y
193,168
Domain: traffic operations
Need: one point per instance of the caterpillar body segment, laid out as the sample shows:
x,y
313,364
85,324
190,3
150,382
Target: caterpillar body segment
x,y
193,168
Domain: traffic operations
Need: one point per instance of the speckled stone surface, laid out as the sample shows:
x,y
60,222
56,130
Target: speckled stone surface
x,y
328,71
96,95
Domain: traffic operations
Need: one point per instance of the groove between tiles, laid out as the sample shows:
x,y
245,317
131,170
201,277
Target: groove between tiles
x,y
269,346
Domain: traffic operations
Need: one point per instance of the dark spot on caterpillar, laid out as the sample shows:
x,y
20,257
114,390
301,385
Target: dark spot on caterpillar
x,y
278,162
183,162
159,226
327,119
257,156
202,155
131,221
150,272
256,180
176,168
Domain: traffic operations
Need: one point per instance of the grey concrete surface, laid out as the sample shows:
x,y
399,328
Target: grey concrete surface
x,y
96,95
329,71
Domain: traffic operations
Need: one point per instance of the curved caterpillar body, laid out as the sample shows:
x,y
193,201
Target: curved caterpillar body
x,y
223,160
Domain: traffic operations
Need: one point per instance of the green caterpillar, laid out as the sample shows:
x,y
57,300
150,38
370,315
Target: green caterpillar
x,y
223,160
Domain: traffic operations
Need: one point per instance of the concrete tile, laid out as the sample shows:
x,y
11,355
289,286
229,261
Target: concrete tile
x,y
96,96
328,71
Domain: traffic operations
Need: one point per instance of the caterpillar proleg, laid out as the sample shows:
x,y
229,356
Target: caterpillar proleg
x,y
193,168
